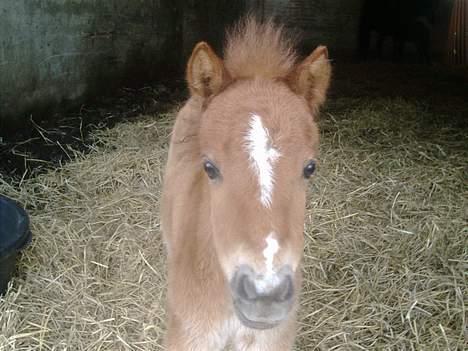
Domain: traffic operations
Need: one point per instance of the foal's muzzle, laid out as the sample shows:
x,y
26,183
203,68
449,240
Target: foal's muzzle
x,y
262,302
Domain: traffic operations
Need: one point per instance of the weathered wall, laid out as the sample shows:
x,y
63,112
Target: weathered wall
x,y
54,51
60,52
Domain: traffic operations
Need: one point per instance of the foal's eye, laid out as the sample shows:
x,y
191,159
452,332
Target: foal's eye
x,y
211,170
309,169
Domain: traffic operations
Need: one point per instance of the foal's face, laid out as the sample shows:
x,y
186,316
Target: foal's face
x,y
259,146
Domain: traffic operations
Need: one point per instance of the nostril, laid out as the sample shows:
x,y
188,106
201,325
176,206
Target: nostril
x,y
285,290
250,288
247,288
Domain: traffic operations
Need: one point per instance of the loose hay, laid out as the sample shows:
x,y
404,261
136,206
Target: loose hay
x,y
385,263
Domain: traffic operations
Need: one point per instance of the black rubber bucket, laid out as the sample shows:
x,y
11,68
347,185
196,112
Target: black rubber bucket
x,y
14,236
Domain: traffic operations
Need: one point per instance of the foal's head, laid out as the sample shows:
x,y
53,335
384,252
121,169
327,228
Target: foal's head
x,y
258,147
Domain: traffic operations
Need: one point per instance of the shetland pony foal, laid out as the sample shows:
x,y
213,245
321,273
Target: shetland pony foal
x,y
234,192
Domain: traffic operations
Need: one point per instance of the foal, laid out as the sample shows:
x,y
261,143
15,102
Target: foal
x,y
234,192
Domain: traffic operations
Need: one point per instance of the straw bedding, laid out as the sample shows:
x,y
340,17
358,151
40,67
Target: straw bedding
x,y
386,242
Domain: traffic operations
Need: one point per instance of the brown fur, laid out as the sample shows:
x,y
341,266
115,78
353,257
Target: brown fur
x,y
205,71
312,78
210,227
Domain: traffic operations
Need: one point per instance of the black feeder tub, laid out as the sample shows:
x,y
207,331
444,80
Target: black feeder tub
x,y
14,236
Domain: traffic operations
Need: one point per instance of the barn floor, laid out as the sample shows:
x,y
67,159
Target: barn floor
x,y
386,257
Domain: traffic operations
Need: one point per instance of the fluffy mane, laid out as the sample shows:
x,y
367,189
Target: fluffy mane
x,y
254,49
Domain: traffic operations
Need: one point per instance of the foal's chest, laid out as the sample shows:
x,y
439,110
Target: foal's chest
x,y
233,336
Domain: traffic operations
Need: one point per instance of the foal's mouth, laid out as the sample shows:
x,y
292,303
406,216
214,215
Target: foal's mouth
x,y
255,324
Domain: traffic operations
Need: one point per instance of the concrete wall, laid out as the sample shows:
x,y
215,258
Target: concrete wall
x,y
58,51
61,52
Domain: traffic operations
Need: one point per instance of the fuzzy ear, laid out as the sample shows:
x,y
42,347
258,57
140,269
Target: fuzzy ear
x,y
205,71
311,77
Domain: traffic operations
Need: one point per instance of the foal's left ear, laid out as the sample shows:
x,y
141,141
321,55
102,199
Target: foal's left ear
x,y
205,71
311,77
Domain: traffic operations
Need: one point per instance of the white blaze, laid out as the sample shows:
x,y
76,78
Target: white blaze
x,y
269,252
269,279
262,156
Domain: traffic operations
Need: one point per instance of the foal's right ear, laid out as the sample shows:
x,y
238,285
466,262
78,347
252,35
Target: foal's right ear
x,y
311,78
205,71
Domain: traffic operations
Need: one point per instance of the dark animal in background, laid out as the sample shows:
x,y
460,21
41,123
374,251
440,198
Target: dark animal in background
x,y
403,21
